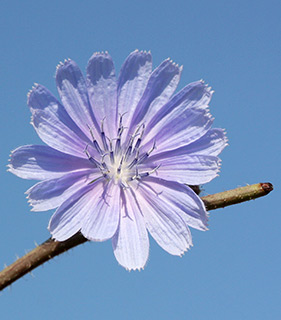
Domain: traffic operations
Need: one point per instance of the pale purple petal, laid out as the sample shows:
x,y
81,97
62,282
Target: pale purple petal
x,y
68,218
56,135
160,87
180,199
74,96
40,98
163,223
212,143
132,81
102,87
102,221
192,170
194,95
131,243
42,162
178,129
50,194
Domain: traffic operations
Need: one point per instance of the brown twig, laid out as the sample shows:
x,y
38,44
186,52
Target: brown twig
x,y
238,195
51,248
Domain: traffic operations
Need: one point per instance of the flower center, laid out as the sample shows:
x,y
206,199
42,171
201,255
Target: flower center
x,y
121,162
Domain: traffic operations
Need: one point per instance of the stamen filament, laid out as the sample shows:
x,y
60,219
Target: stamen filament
x,y
103,137
93,160
146,154
96,145
134,161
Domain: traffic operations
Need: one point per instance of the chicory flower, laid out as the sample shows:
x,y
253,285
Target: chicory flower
x,y
120,154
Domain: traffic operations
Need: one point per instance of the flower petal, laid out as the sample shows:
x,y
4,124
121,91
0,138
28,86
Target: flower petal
x,y
102,221
170,232
53,133
169,208
50,194
68,218
131,243
194,95
74,96
180,199
53,124
212,143
102,87
160,87
178,129
132,81
42,162
192,170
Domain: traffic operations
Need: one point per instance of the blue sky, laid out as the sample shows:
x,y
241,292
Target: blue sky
x,y
233,270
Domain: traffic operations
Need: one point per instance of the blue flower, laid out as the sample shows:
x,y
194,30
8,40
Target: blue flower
x,y
120,153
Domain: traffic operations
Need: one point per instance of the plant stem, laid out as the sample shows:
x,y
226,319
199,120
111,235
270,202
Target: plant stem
x,y
238,195
51,248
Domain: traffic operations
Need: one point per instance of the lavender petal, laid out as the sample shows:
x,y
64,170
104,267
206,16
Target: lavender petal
x,y
68,218
40,98
102,87
212,143
194,95
102,220
74,96
56,135
132,81
178,129
160,87
180,199
131,243
162,221
192,170
50,194
42,162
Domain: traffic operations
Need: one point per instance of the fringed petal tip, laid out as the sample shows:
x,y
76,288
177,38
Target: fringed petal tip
x,y
132,264
32,208
61,65
207,88
9,166
30,92
133,268
101,54
174,65
225,137
183,253
29,201
188,247
206,223
224,143
141,51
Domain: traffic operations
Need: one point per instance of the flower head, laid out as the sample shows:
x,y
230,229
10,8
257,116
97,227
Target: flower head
x,y
120,155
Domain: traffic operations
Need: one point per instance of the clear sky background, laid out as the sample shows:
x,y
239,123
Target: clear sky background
x,y
233,270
